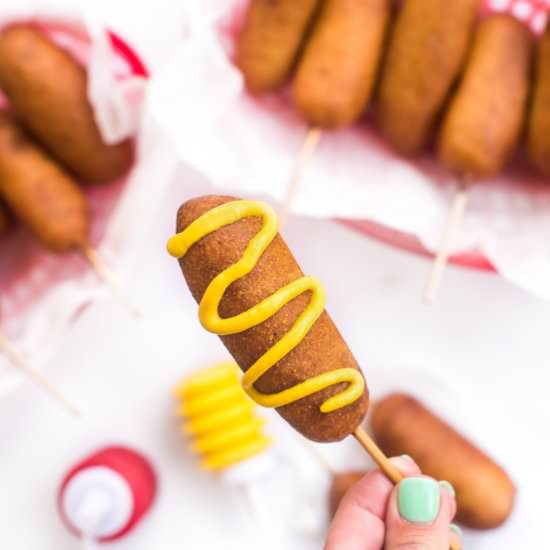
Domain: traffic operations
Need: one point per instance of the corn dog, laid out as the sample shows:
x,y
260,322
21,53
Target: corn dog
x,y
538,135
47,89
426,52
271,318
270,41
39,192
484,492
337,71
485,117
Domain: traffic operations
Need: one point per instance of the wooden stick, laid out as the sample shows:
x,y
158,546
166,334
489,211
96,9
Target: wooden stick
x,y
382,461
442,256
308,148
106,275
391,472
19,361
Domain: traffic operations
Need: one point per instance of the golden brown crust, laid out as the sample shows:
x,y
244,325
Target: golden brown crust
x,y
538,136
486,114
47,89
39,192
270,41
336,74
484,492
341,484
323,349
426,50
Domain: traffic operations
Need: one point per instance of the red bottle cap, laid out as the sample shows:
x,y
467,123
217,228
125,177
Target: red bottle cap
x,y
107,494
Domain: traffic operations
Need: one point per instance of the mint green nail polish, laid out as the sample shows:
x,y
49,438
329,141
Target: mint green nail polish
x,y
448,487
456,530
418,499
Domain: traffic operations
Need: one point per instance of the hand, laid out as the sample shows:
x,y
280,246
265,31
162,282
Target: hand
x,y
415,514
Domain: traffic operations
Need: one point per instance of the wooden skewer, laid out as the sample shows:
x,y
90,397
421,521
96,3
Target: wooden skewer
x,y
19,361
308,148
106,275
382,461
453,223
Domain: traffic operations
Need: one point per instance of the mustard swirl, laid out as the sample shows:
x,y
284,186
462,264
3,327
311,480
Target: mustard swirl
x,y
210,319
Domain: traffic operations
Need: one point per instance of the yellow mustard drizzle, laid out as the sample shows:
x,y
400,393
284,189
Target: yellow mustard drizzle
x,y
219,417
210,319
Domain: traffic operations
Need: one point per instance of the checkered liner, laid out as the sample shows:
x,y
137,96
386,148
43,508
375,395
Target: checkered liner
x,y
533,13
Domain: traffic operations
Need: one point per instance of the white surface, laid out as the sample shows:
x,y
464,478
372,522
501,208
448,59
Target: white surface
x,y
486,341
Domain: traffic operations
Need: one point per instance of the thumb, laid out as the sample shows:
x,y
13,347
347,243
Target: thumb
x,y
419,514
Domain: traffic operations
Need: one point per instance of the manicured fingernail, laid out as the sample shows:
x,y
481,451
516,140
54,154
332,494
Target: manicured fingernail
x,y
407,457
418,499
456,530
448,487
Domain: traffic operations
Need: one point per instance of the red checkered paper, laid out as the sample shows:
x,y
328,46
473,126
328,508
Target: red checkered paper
x,y
533,13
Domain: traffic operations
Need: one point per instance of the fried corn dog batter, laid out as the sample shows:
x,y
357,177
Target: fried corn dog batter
x,y
271,39
47,89
426,52
269,316
336,75
484,492
486,114
39,192
538,135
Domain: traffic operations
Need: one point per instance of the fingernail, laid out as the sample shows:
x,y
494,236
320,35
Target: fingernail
x,y
418,499
448,487
456,530
407,457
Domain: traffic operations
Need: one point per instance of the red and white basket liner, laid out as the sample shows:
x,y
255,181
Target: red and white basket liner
x,y
532,12
40,292
247,146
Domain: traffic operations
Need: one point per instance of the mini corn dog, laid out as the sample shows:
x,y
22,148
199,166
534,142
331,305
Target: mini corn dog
x,y
337,71
538,135
47,89
270,41
426,51
39,192
321,350
485,117
486,114
484,492
44,197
